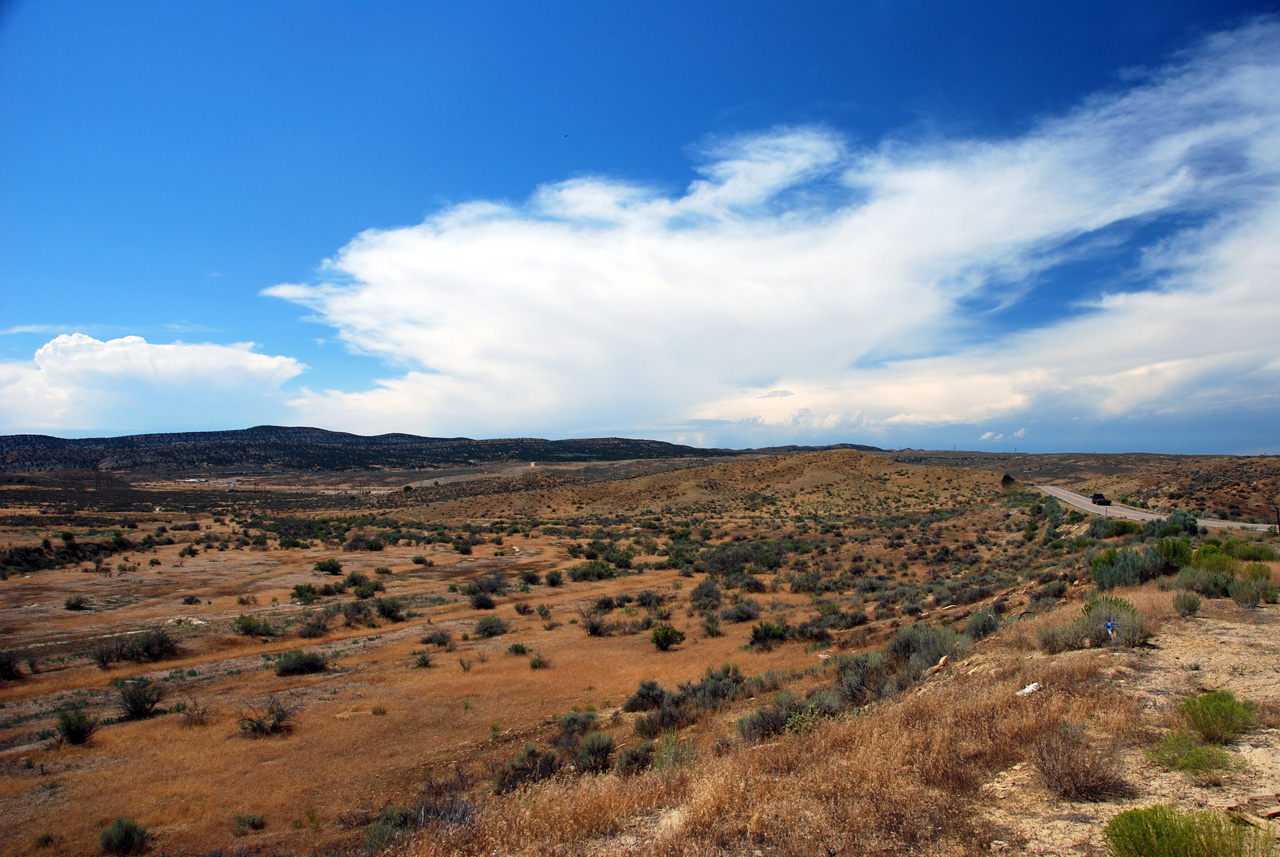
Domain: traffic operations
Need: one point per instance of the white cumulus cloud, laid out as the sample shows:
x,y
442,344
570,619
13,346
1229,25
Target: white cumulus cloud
x,y
75,382
804,286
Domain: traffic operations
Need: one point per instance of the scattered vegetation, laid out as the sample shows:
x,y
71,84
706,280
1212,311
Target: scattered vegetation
x,y
1162,831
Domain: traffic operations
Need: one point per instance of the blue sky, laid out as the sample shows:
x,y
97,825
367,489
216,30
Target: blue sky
x,y
988,225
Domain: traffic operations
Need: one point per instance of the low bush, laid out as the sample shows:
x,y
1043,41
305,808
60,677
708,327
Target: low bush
x,y
329,566
491,626
391,609
246,822
1112,621
275,719
770,720
517,649
76,602
746,610
1182,751
647,697
595,753
138,698
1250,592
124,836
982,624
298,662
523,608
1210,584
252,626
75,725
438,638
768,634
554,578
1218,716
483,601
1186,603
150,646
861,679
1075,769
633,760
109,651
1162,831
313,626
1256,571
670,715
529,767
665,636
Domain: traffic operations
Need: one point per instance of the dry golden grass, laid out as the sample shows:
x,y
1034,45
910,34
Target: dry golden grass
x,y
900,779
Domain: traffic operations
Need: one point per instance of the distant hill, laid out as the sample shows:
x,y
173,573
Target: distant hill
x,y
268,448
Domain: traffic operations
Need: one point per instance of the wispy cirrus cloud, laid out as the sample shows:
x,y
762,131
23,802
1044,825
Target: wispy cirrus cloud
x,y
905,285
75,382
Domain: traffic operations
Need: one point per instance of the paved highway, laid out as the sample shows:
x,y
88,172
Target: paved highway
x,y
1115,510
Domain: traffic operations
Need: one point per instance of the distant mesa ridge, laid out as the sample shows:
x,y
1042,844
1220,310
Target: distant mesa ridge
x,y
314,449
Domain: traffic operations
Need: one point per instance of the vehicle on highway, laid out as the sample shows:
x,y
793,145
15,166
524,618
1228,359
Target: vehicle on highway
x,y
1101,500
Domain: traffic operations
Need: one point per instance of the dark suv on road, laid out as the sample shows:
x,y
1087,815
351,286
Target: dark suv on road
x,y
1101,500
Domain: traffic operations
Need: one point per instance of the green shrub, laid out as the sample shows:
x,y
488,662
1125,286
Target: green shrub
x,y
305,593
1210,584
595,752
491,626
1112,621
1217,716
298,662
124,836
1182,751
482,601
1162,831
150,646
1250,551
391,609
1208,558
554,578
368,590
517,649
252,626
76,602
438,638
1256,571
1245,593
665,636
75,725
766,634
982,624
1186,603
647,697
138,698
538,662
329,566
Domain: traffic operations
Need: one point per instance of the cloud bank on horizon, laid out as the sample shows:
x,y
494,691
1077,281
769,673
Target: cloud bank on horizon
x,y
1117,263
